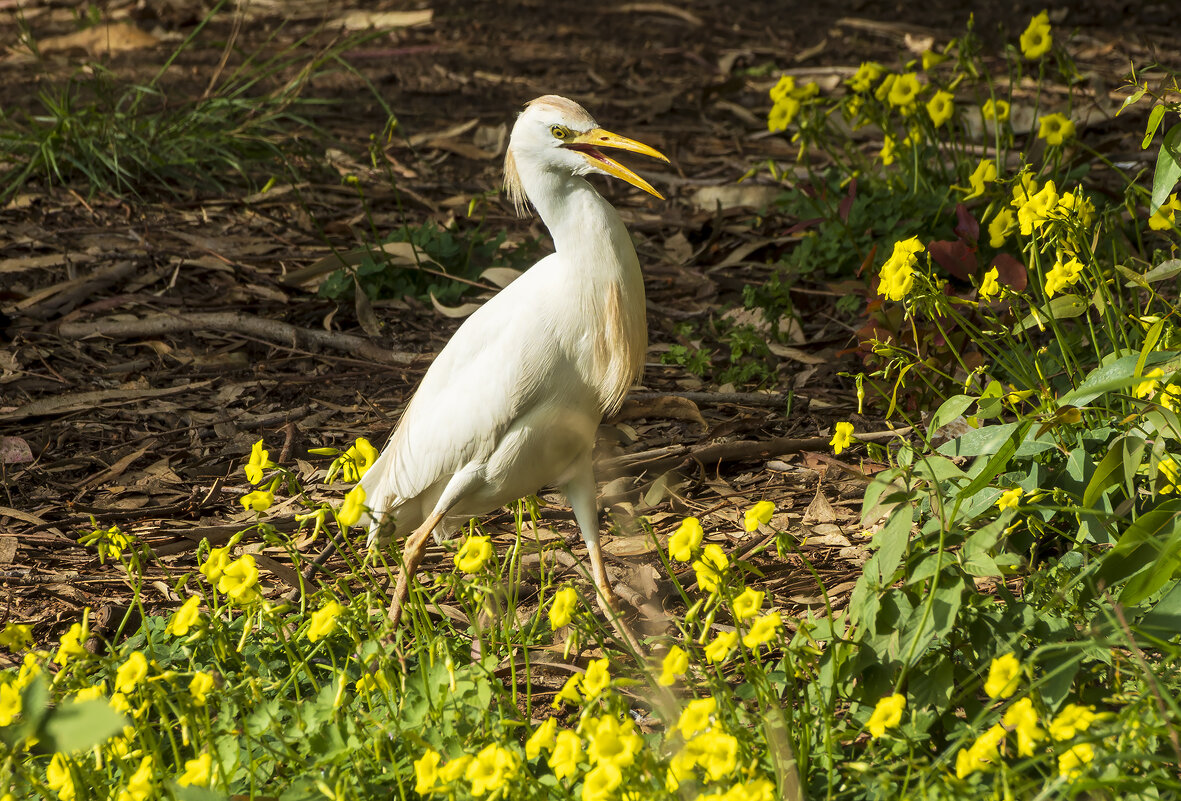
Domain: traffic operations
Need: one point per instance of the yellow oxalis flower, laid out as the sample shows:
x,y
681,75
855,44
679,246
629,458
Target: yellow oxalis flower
x,y
59,779
601,782
1037,37
240,579
597,677
216,563
997,110
758,515
324,621
1062,275
1035,211
10,703
1147,388
866,76
473,554
1078,204
695,716
990,287
886,714
493,766
1023,718
569,691
720,648
358,459
842,437
709,568
1073,761
131,672
258,501
561,612
612,740
352,508
426,771
940,107
71,643
1055,129
782,89
542,738
981,755
1165,216
903,92
748,603
762,630
1001,226
16,636
985,173
674,665
139,786
185,618
717,752
685,540
931,59
372,681
199,687
889,151
1171,473
1073,720
455,769
198,771
260,460
897,276
1010,498
567,753
1003,675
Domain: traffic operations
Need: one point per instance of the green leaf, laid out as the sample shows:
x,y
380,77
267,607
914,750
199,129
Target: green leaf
x,y
1063,307
949,410
1163,620
890,542
79,725
1163,569
1115,375
1110,469
1154,117
1139,545
1168,168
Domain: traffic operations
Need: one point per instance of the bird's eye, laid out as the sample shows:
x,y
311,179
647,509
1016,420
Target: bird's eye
x,y
559,131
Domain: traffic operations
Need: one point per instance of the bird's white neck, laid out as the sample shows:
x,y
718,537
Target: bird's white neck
x,y
603,275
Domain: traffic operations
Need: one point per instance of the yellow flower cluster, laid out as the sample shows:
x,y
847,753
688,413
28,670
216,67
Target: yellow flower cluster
x,y
787,100
489,771
1023,720
897,276
237,579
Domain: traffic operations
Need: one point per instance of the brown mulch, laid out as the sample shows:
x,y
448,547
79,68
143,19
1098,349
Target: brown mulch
x,y
146,344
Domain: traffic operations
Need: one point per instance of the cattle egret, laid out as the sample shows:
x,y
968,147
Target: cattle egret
x,y
513,401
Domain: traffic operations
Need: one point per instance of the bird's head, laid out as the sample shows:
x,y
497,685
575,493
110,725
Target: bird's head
x,y
556,134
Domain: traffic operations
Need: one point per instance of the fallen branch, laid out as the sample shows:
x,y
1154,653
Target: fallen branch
x,y
273,331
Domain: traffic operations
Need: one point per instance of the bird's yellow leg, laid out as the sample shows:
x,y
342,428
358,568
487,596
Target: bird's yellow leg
x,y
412,554
581,494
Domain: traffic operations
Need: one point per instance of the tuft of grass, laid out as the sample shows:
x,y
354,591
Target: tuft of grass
x,y
116,137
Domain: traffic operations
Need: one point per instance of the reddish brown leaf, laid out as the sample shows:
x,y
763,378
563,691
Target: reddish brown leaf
x,y
1010,271
955,257
966,226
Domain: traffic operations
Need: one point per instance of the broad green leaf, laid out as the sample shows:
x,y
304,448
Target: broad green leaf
x,y
1163,569
78,725
1063,307
1138,546
949,410
1115,375
890,542
1163,620
1168,168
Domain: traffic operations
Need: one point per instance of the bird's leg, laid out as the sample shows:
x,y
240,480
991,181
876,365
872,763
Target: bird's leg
x,y
412,554
580,491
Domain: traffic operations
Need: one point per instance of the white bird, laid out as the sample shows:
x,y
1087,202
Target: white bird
x,y
513,401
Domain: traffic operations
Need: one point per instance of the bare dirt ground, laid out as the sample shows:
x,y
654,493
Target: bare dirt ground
x,y
149,429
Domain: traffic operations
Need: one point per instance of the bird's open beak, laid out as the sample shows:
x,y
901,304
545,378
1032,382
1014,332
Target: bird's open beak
x,y
588,145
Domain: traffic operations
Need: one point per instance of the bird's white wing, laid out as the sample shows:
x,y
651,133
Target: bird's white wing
x,y
490,371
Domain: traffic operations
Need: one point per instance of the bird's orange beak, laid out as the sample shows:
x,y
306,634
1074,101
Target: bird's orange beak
x,y
589,142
